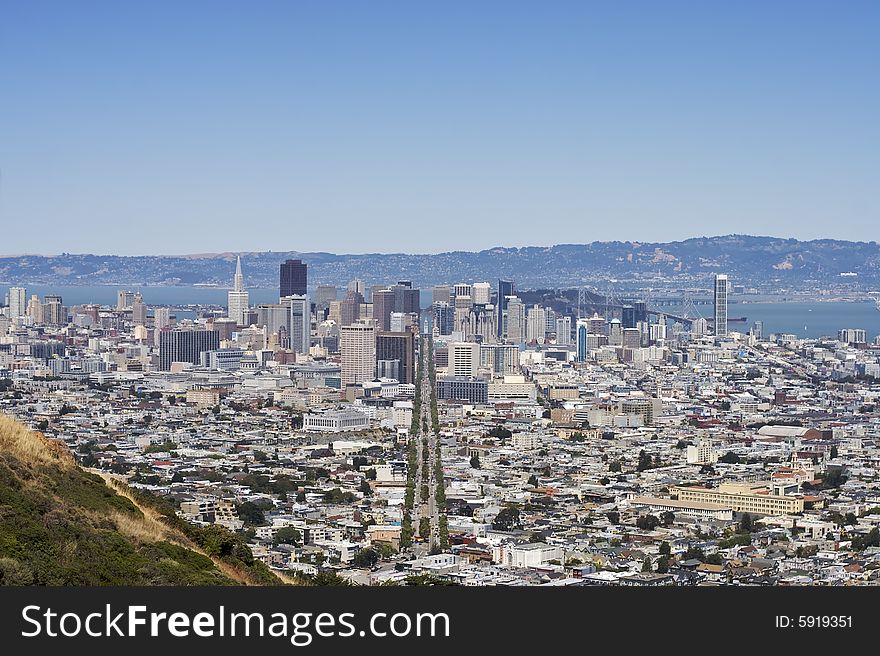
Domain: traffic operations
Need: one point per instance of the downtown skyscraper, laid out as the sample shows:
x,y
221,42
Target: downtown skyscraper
x,y
357,348
293,279
721,289
237,297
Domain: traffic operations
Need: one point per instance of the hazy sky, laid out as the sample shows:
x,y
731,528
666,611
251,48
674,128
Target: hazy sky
x,y
187,127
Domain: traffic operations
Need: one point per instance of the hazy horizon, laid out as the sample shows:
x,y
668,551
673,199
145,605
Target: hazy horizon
x,y
227,253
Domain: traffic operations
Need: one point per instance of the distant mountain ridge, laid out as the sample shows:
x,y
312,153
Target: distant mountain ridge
x,y
749,260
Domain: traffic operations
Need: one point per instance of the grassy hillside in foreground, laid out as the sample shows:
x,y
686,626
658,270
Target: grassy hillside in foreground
x,y
60,525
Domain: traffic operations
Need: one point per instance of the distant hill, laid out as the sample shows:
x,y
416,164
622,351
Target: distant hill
x,y
749,260
61,525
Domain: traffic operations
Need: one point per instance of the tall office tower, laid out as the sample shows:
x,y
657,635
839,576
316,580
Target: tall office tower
x,y
371,290
324,294
500,359
582,331
462,289
17,302
516,320
536,324
615,332
481,293
721,287
293,279
550,316
406,297
35,309
397,298
273,316
699,327
641,311
383,306
357,347
350,308
185,346
563,331
632,338
120,300
758,329
54,312
505,291
138,310
300,322
444,318
484,323
124,300
161,318
597,324
628,316
400,347
441,294
357,285
237,300
464,359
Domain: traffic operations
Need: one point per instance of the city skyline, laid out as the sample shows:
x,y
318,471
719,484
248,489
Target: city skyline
x,y
591,122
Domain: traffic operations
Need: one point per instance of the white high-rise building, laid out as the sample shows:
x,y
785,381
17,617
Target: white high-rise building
x,y
516,319
161,317
357,347
464,358
481,293
536,323
17,302
721,288
237,298
563,331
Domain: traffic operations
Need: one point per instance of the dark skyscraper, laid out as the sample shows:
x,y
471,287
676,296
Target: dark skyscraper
x,y
400,347
444,317
293,278
641,311
505,289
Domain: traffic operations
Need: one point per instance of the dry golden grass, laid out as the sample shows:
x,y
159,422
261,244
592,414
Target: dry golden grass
x,y
150,528
32,447
139,529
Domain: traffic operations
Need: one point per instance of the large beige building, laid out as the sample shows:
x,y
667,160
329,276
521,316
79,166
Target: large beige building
x,y
742,497
357,347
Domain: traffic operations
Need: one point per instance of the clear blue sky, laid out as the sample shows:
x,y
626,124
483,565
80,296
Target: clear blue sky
x,y
188,127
